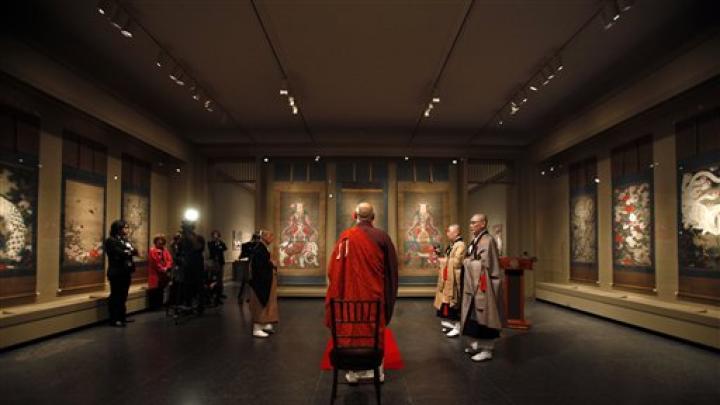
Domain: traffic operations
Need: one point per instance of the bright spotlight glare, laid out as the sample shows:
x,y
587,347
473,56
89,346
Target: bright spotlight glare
x,y
191,214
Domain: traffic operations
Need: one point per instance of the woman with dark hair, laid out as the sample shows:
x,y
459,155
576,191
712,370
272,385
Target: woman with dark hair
x,y
159,263
120,254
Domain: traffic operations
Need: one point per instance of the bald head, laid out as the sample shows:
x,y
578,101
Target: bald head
x,y
453,231
364,212
478,223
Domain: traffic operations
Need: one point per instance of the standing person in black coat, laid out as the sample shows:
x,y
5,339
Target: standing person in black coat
x,y
120,254
246,251
216,251
191,265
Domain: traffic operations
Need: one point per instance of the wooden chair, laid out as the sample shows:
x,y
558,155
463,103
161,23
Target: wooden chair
x,y
355,322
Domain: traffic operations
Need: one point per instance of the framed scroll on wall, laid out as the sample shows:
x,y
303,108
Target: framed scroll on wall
x,y
633,223
423,216
698,154
136,210
299,222
18,206
583,222
82,258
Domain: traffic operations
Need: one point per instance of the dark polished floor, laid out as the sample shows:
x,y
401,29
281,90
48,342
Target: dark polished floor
x,y
567,358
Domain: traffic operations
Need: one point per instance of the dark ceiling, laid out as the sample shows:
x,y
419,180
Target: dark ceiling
x,y
362,70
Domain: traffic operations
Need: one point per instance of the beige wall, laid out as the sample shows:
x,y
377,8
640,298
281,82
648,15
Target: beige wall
x,y
491,200
233,209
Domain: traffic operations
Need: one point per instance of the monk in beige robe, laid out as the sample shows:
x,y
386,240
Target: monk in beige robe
x,y
481,314
449,287
263,292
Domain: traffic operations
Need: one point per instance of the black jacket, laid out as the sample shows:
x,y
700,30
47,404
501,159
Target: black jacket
x,y
216,251
120,254
262,271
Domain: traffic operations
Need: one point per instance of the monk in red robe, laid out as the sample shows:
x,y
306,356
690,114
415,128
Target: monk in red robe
x,y
363,266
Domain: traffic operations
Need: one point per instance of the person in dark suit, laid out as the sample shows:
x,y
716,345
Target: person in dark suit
x,y
263,288
191,265
120,254
216,273
246,251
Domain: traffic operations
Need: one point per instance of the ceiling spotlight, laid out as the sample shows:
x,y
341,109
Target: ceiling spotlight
x,y
406,158
625,5
542,173
207,103
196,96
295,110
550,74
180,81
291,100
533,88
266,159
426,113
177,170
116,17
125,30
161,59
523,97
596,180
500,122
454,161
610,14
436,100
175,73
284,87
557,64
552,168
103,7
317,158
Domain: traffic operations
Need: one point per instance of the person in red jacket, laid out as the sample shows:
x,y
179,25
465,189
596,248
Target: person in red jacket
x,y
160,261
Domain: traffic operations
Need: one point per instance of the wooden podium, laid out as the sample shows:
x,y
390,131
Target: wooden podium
x,y
514,290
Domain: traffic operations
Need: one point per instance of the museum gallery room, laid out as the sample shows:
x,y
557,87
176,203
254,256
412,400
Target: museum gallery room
x,y
360,202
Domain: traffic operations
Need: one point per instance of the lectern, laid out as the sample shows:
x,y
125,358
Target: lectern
x,y
514,289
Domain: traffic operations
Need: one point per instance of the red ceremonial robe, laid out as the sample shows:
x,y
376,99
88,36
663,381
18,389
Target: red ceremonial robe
x,y
362,268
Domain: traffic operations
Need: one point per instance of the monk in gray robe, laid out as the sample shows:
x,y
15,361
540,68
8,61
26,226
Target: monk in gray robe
x,y
481,313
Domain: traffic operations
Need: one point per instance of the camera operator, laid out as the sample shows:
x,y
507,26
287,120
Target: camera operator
x,y
191,265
